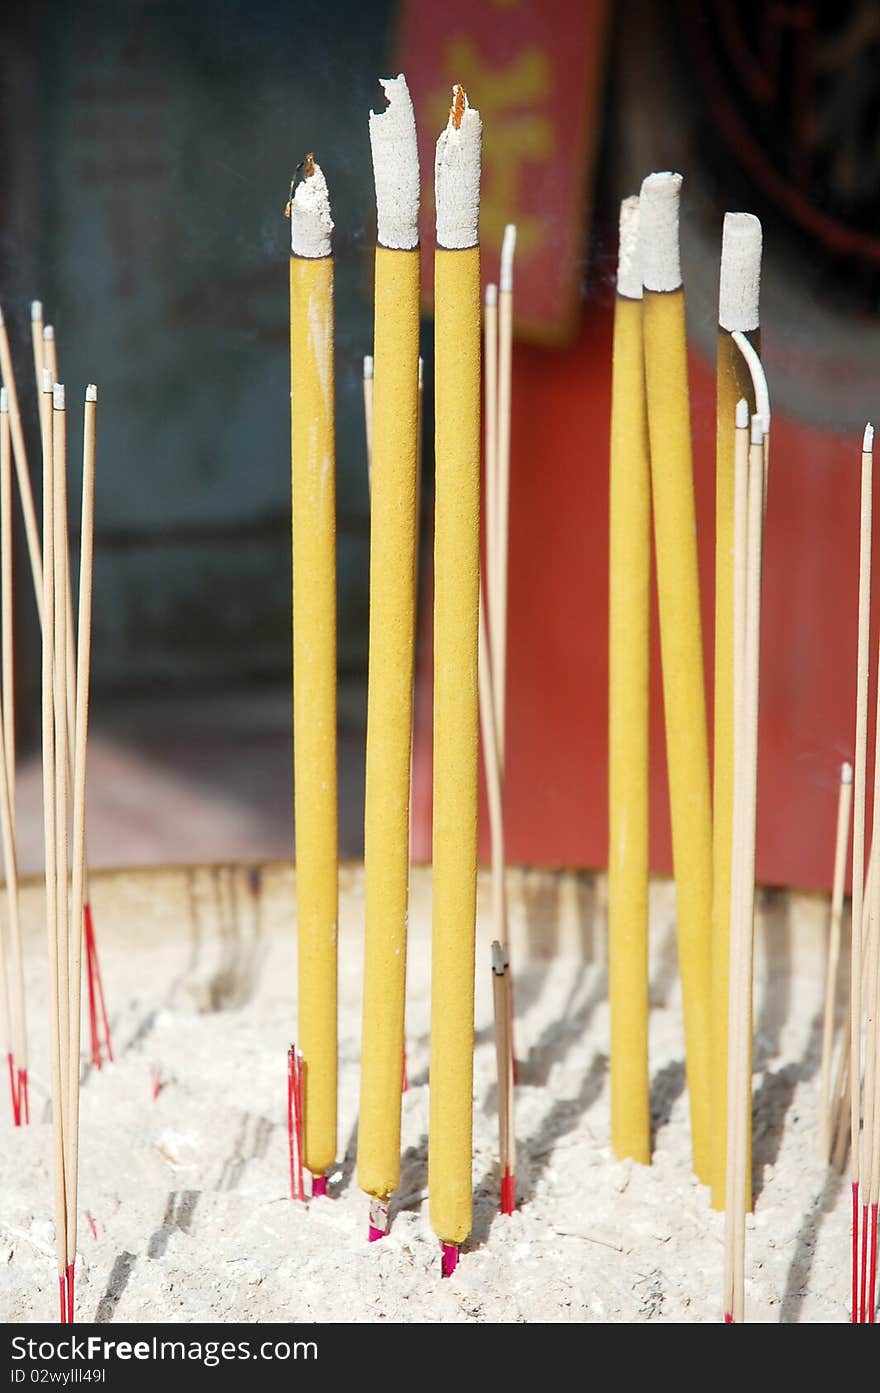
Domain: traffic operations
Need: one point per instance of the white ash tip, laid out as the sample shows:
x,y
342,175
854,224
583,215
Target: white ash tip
x,y
457,165
742,414
4,399
508,248
846,773
310,220
91,392
629,269
47,380
491,296
396,167
500,960
36,311
58,401
868,439
368,365
757,436
659,251
48,333
739,295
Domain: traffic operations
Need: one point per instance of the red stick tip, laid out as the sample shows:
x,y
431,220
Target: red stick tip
x,y
70,1268
13,1090
62,1293
319,1186
449,1258
855,1253
508,1192
24,1102
872,1279
378,1219
863,1297
728,1318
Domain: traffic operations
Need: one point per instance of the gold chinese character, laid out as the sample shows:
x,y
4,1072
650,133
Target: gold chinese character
x,y
517,131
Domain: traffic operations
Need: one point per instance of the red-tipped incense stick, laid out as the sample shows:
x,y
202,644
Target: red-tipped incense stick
x,y
13,1091
295,1123
97,1005
504,1054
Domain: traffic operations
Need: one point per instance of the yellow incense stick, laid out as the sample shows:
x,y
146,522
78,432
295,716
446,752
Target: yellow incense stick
x,y
314,657
628,699
456,608
394,513
738,310
681,642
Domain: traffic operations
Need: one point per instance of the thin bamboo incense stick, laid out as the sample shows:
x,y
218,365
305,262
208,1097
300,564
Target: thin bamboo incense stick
x,y
681,641
869,995
738,310
50,845
456,624
491,604
841,846
18,1067
733,1045
504,1056
21,465
393,537
62,773
502,995
498,619
368,414
840,1127
743,904
490,462
314,659
295,1123
492,768
7,608
874,1182
858,872
628,700
83,671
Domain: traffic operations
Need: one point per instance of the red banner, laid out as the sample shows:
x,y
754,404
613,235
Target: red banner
x,y
534,70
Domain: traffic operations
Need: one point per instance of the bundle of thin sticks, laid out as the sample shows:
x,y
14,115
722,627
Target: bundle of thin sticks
x,y
64,798
498,348
44,344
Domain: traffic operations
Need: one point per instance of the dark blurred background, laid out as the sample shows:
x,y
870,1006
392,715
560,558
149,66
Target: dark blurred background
x,y
146,151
